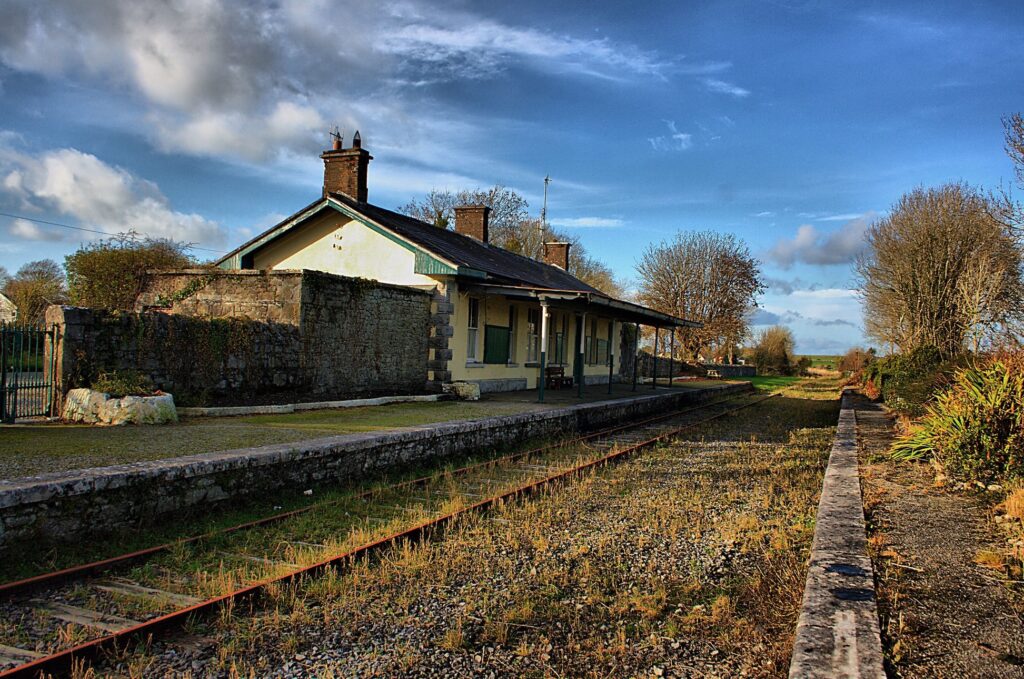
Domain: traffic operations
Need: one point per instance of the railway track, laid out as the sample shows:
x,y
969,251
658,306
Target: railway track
x,y
51,621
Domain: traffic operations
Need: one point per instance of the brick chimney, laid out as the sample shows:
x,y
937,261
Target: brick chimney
x,y
345,169
557,254
471,220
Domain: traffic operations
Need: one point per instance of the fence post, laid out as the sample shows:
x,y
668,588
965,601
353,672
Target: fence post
x,y
4,331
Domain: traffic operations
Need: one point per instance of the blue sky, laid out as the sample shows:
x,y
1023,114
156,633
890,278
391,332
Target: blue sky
x,y
792,124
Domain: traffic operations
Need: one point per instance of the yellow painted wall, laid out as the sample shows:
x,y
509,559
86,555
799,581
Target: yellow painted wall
x,y
336,244
494,311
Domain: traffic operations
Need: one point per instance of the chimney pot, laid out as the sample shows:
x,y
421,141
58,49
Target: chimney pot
x,y
345,169
557,254
357,141
472,221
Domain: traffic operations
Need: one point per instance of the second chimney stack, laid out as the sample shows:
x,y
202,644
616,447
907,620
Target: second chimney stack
x,y
557,254
471,220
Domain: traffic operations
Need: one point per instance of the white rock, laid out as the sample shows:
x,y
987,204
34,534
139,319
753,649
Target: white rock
x,y
464,391
86,405
83,405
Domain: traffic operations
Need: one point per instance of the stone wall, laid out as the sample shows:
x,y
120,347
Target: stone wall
x,y
729,370
55,507
240,337
360,336
8,312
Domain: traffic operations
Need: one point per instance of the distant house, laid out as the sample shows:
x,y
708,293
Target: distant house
x,y
8,311
497,316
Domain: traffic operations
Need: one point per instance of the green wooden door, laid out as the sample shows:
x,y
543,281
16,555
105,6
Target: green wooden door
x,y
496,339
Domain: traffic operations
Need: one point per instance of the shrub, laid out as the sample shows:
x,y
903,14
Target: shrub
x,y
908,381
110,273
120,383
772,352
975,429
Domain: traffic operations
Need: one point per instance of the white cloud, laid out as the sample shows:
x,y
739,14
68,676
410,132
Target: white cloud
x,y
840,218
478,47
252,137
22,228
97,195
673,141
722,87
827,293
587,222
257,80
811,246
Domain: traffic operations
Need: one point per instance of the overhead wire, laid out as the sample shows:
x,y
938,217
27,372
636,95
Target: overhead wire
x,y
82,228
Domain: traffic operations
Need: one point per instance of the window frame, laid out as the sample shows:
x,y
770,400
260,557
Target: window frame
x,y
472,329
533,335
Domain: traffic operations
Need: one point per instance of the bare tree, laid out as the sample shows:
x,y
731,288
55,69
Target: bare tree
x,y
36,285
940,270
1014,127
508,208
1004,206
702,276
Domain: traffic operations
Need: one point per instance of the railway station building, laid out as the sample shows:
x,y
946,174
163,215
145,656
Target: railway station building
x,y
498,319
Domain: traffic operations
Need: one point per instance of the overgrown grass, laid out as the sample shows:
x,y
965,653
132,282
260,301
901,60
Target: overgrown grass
x,y
689,556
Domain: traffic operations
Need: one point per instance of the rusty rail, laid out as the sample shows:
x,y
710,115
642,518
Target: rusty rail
x,y
62,661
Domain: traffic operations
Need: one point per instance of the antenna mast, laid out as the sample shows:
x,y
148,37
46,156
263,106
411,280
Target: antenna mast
x,y
544,209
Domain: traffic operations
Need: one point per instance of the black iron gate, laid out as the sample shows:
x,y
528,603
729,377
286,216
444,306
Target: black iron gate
x,y
26,371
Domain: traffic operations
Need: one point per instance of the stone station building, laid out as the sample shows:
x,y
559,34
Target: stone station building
x,y
498,319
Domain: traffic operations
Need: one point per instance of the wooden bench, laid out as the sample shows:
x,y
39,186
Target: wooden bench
x,y
713,374
554,378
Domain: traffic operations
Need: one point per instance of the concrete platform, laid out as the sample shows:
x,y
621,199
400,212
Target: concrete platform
x,y
597,393
69,505
838,633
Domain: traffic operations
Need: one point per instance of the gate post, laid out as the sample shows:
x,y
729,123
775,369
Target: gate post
x,y
3,373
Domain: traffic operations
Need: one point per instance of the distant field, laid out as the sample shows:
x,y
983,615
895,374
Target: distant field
x,y
822,360
773,382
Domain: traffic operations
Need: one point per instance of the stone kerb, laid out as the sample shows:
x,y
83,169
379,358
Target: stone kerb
x,y
838,633
54,507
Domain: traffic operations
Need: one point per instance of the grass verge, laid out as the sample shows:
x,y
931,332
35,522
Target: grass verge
x,y
27,450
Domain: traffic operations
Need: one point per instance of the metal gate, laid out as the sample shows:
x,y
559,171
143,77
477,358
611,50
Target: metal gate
x,y
26,371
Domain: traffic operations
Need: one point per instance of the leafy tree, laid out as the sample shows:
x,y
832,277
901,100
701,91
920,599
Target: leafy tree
x,y
702,276
110,273
773,351
34,287
941,270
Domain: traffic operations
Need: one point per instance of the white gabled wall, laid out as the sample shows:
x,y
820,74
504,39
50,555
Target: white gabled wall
x,y
336,244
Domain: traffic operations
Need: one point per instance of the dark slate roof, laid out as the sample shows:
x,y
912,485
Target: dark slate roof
x,y
498,263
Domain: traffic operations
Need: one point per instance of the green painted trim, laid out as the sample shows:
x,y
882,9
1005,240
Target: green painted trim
x,y
471,273
284,228
431,266
426,262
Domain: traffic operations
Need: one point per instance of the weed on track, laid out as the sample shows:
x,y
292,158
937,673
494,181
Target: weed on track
x,y
687,560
